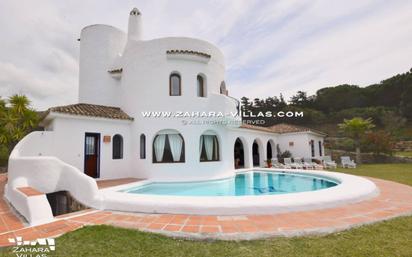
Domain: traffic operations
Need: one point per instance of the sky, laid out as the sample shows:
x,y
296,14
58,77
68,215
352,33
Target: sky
x,y
270,47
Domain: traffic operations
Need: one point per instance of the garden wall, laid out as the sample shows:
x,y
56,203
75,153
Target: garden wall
x,y
368,157
403,146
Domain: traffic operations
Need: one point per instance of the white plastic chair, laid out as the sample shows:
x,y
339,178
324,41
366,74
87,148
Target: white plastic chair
x,y
347,162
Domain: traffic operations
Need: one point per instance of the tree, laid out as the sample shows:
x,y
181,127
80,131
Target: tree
x,y
257,102
246,104
355,128
392,122
17,119
378,142
406,102
332,99
282,103
301,99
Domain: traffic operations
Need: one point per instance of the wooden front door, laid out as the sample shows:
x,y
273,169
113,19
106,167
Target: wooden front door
x,y
92,154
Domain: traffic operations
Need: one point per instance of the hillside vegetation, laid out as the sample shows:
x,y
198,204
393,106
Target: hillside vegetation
x,y
388,103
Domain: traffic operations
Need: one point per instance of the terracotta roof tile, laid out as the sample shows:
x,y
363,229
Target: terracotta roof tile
x,y
179,51
248,126
288,128
92,110
120,70
282,128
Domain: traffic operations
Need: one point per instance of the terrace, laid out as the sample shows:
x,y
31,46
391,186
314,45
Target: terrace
x,y
393,201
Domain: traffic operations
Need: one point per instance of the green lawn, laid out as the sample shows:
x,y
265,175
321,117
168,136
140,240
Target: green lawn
x,y
401,173
389,238
406,154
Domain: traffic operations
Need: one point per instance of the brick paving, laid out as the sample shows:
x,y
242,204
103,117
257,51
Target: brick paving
x,y
394,200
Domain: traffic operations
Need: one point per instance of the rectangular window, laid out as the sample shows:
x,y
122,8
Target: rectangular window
x,y
90,146
320,148
312,147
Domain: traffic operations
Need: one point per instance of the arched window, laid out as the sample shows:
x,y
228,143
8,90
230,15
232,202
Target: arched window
x,y
201,86
175,85
142,146
269,151
117,147
239,154
209,148
255,154
168,147
223,90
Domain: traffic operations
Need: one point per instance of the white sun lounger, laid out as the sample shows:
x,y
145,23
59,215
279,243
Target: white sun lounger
x,y
298,160
277,164
292,165
328,162
308,161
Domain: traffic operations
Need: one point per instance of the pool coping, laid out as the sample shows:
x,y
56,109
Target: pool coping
x,y
394,200
351,189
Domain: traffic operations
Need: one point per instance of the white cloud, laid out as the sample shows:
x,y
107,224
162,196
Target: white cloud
x,y
362,52
41,90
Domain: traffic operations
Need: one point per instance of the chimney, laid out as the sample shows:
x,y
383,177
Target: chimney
x,y
135,25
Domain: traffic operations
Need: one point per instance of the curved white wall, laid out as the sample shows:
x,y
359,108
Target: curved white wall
x,y
29,167
100,47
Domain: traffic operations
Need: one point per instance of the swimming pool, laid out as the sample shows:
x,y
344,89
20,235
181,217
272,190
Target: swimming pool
x,y
258,191
251,183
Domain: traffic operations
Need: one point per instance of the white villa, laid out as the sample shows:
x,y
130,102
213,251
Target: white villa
x,y
106,135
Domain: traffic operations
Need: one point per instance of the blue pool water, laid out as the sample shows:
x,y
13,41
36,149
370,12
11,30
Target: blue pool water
x,y
251,183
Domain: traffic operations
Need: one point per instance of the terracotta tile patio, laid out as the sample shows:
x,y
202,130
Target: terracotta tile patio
x,y
29,191
115,182
394,200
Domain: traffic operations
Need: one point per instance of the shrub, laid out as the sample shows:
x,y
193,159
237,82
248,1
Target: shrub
x,y
285,154
281,155
346,144
4,155
378,142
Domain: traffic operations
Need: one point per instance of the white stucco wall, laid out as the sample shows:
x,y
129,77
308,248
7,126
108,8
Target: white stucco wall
x,y
69,136
301,146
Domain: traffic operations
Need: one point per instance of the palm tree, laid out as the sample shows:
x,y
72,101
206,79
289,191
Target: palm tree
x,y
19,104
17,119
355,128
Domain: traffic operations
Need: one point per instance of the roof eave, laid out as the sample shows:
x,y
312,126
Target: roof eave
x,y
53,114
